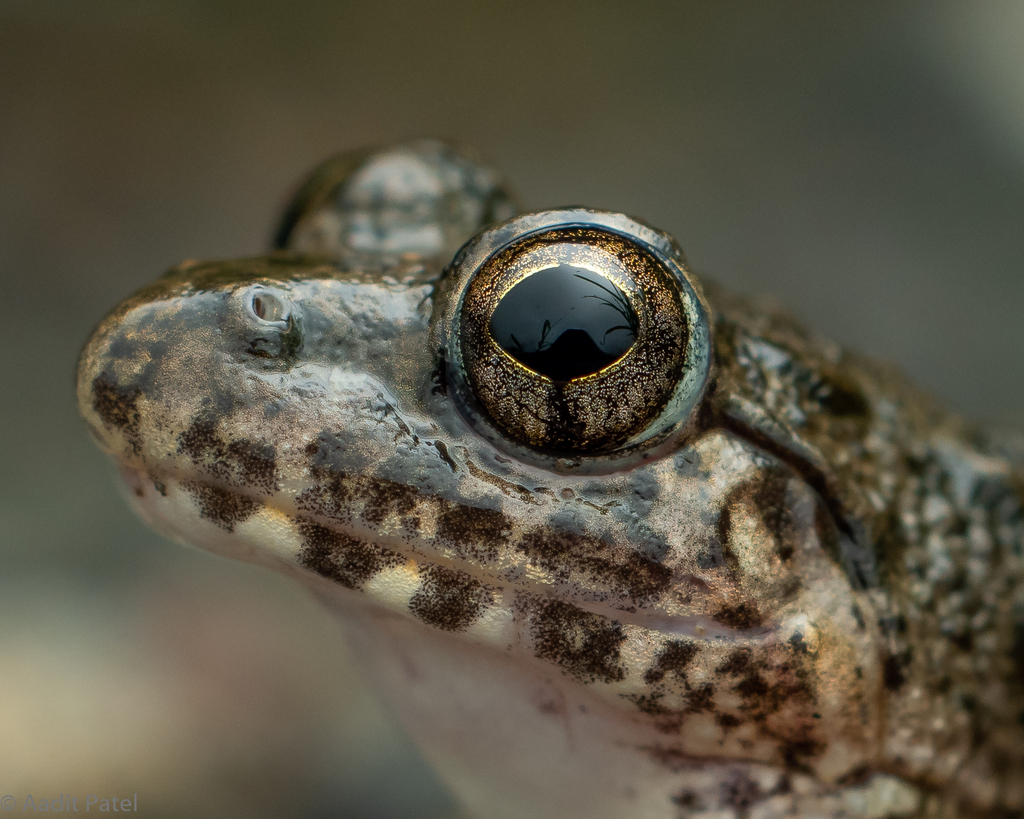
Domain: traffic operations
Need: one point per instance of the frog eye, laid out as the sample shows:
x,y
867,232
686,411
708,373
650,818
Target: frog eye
x,y
422,197
576,332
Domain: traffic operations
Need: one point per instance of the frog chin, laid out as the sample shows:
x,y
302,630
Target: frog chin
x,y
623,665
199,514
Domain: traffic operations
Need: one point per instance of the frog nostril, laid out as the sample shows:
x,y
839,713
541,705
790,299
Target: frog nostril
x,y
268,307
273,323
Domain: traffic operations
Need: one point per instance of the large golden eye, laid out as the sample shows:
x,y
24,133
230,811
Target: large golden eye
x,y
575,332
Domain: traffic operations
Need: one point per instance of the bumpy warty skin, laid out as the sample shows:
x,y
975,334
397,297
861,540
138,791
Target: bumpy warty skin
x,y
809,604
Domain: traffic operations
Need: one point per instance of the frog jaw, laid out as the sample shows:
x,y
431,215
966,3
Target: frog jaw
x,y
486,711
647,673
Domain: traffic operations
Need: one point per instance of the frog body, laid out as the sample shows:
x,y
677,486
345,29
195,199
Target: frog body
x,y
801,595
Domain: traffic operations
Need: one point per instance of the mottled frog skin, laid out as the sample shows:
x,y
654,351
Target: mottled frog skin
x,y
802,597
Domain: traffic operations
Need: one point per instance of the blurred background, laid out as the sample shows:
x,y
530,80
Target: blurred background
x,y
864,163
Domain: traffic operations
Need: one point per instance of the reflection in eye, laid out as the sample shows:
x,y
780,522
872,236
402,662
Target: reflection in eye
x,y
565,322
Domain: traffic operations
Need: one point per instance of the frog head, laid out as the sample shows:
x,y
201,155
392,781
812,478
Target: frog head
x,y
587,563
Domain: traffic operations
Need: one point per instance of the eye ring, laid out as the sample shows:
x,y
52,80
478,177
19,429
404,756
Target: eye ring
x,y
599,413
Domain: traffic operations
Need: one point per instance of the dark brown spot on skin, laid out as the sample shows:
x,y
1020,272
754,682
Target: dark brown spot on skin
x,y
752,687
118,407
797,751
711,555
200,440
892,673
740,792
132,347
673,659
226,509
329,452
449,599
475,533
688,800
727,720
384,498
725,554
740,616
337,493
701,699
629,573
240,462
891,542
585,645
339,557
736,663
894,624
964,640
766,687
330,498
256,462
843,399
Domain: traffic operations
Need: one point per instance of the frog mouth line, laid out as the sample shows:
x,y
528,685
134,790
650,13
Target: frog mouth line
x,y
238,525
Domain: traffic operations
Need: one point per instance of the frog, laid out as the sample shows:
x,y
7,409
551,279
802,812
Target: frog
x,y
609,540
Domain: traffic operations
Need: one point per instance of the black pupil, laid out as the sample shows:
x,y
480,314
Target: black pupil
x,y
565,322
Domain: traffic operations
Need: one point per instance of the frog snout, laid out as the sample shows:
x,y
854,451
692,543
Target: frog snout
x,y
141,357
